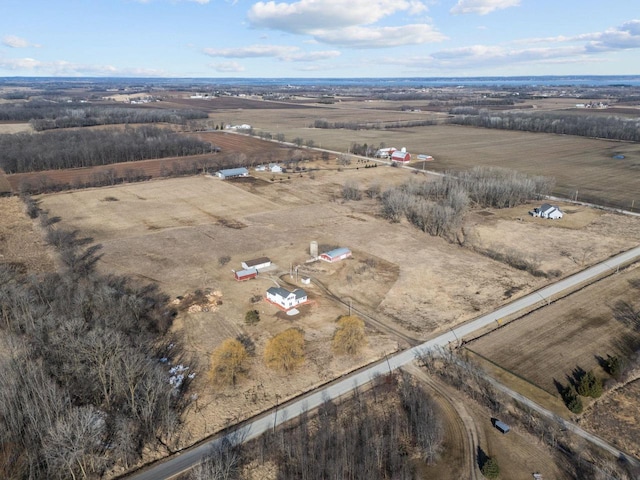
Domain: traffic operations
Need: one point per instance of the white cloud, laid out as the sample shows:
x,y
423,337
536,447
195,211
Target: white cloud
x,y
343,23
64,68
17,42
371,37
482,7
307,15
227,67
281,52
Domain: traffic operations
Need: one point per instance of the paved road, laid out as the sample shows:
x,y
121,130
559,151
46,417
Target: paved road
x,y
179,463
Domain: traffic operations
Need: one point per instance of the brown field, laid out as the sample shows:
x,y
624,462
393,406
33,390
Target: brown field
x,y
174,231
616,418
21,244
546,346
549,344
15,127
578,164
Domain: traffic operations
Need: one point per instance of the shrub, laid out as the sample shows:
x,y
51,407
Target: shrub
x,y
285,351
228,362
252,317
490,468
349,337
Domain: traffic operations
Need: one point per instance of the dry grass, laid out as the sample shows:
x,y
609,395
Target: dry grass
x,y
545,347
174,231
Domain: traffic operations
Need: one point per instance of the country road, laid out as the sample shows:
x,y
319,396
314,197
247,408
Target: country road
x,y
181,462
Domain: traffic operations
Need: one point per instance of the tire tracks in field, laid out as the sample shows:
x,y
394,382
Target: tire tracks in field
x,y
470,433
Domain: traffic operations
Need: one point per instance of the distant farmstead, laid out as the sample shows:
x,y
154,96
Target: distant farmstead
x,y
232,173
335,255
246,274
257,263
285,299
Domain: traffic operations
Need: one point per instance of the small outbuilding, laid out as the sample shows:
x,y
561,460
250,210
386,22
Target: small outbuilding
x,y
257,263
335,255
232,173
501,426
246,274
285,299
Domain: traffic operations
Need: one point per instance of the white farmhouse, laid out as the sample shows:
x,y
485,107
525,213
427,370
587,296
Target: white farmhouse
x,y
285,299
547,211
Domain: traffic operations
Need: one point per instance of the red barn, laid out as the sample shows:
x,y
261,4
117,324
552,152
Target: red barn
x,y
246,274
400,156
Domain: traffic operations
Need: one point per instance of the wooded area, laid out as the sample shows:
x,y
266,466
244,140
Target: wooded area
x,y
88,374
437,207
46,115
596,126
86,148
383,434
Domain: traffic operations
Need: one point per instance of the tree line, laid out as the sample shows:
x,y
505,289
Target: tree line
x,y
372,125
23,152
89,375
438,206
46,115
386,433
597,126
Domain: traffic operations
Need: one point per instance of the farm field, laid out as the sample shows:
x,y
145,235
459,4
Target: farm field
x,y
546,346
578,164
175,231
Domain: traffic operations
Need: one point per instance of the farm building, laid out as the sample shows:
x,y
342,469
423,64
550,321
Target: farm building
x,y
275,168
401,156
385,152
501,426
233,172
257,263
547,211
246,274
336,255
286,299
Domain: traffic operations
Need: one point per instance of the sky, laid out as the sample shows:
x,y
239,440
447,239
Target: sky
x,y
318,38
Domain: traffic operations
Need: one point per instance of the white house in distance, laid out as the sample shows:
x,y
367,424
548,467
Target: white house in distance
x,y
547,211
285,299
385,152
257,263
335,255
275,168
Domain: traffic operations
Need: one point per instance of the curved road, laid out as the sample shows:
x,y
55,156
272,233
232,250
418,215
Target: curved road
x,y
253,428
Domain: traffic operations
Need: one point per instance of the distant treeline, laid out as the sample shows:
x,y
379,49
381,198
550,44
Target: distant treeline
x,y
23,152
47,115
372,125
597,126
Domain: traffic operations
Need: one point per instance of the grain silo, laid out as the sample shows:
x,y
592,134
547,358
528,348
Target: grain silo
x,y
313,248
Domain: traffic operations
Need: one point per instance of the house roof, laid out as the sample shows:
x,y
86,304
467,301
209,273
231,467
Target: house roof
x,y
299,293
278,291
257,261
230,172
244,273
545,207
337,252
